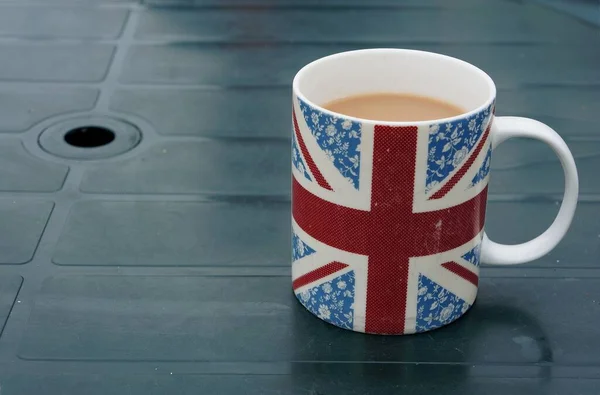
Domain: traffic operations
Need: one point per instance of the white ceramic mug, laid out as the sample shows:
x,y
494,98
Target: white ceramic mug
x,y
388,217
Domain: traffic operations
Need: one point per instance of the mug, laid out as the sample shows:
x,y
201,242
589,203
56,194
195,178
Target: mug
x,y
388,217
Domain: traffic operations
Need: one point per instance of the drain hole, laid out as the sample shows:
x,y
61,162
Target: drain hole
x,y
89,137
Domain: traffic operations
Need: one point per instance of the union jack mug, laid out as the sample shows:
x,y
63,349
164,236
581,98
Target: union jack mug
x,y
388,217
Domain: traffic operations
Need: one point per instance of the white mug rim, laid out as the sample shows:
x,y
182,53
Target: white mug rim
x,y
486,104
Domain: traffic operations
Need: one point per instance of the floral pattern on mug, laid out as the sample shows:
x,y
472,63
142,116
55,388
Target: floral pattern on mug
x,y
436,306
484,169
299,248
297,160
473,255
332,301
450,145
339,138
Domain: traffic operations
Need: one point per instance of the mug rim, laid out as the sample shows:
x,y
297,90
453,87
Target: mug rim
x,y
487,103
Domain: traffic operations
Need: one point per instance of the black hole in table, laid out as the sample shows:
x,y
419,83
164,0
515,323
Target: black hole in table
x,y
89,137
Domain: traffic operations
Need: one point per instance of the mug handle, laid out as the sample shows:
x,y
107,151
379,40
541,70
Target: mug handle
x,y
502,254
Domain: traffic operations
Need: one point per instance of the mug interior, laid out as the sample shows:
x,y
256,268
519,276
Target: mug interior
x,y
395,71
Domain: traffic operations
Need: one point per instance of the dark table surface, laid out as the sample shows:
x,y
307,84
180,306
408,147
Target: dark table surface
x,y
160,262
